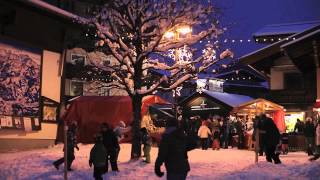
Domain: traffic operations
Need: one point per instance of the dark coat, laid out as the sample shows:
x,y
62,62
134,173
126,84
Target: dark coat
x,y
146,139
309,130
98,155
71,141
173,150
272,134
110,140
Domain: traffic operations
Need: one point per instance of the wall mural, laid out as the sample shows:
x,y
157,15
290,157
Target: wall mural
x,y
19,80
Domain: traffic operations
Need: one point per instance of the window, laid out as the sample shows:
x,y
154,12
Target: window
x,y
293,81
78,59
76,88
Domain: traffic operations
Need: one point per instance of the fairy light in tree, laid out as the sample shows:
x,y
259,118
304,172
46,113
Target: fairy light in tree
x,y
209,54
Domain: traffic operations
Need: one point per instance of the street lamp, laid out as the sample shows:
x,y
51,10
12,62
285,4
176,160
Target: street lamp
x,y
179,55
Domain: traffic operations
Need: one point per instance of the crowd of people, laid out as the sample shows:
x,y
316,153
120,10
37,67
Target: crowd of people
x,y
311,131
216,131
177,140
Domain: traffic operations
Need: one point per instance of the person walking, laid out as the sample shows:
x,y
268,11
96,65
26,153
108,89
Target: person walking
x,y
147,142
98,158
173,152
272,139
111,145
309,133
204,132
71,144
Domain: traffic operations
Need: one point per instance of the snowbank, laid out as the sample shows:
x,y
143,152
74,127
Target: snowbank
x,y
205,165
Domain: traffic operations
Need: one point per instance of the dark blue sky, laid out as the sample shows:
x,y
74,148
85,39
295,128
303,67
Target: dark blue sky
x,y
244,17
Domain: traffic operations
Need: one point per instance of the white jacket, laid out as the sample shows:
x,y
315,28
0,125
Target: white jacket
x,y
204,131
318,135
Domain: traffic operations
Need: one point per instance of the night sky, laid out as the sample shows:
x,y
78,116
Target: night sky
x,y
245,17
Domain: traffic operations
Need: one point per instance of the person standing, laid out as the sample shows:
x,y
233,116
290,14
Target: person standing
x,y
98,158
147,142
173,152
317,152
111,145
204,132
284,143
216,140
71,144
299,127
272,139
309,133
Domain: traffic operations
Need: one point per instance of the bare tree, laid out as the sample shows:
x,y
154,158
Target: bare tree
x,y
134,33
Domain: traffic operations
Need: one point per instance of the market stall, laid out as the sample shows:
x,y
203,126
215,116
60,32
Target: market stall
x,y
247,112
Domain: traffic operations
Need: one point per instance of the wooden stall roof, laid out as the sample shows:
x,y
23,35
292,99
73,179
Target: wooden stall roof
x,y
258,105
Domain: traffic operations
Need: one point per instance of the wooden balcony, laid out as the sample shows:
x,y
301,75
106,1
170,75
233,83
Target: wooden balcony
x,y
285,97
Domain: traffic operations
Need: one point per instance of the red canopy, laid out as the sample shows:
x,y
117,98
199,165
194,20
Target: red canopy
x,y
91,111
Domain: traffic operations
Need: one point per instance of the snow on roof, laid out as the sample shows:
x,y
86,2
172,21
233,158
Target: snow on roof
x,y
317,32
285,29
271,49
50,8
232,100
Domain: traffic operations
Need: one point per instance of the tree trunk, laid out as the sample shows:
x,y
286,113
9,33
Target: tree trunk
x,y
136,143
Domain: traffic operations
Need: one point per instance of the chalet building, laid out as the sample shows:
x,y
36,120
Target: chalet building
x,y
32,55
291,63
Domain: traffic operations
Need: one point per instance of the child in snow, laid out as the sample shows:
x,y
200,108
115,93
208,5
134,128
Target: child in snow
x,y
204,133
147,142
98,158
216,140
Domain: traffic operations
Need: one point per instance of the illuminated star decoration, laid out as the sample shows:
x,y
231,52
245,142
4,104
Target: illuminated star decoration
x,y
209,54
201,85
181,55
177,91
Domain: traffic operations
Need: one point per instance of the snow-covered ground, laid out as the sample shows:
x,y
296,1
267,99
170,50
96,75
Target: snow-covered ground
x,y
223,164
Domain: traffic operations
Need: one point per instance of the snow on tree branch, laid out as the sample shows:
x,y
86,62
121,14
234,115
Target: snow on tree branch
x,y
132,31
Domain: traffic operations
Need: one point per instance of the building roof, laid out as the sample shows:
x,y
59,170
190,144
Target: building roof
x,y
242,69
285,29
274,48
233,100
50,9
302,38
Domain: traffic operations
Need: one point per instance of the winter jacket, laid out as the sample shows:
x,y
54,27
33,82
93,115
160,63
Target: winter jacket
x,y
216,135
110,141
71,141
173,150
146,139
204,131
309,130
98,155
299,127
318,135
272,135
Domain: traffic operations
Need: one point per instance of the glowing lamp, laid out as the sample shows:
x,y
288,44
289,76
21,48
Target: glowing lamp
x,y
169,35
184,30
